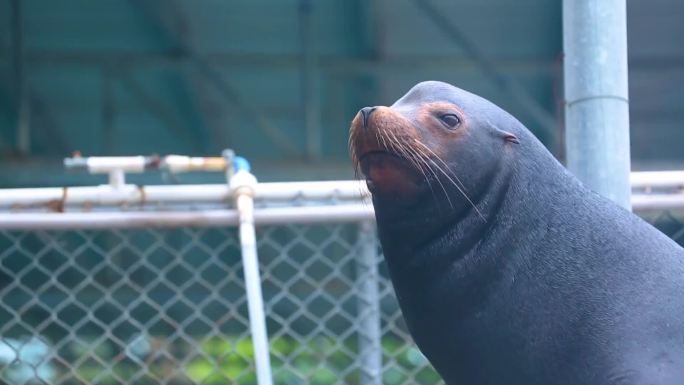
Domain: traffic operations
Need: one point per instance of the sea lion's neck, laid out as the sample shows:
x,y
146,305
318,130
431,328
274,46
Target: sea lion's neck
x,y
433,234
463,246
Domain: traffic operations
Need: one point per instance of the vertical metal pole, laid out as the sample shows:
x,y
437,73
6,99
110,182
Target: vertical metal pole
x,y
242,183
23,135
250,264
370,336
309,81
596,95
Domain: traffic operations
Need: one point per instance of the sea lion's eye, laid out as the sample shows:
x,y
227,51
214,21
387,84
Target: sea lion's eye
x,y
450,120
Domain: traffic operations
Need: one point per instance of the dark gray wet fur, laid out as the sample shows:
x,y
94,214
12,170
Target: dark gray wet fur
x,y
557,285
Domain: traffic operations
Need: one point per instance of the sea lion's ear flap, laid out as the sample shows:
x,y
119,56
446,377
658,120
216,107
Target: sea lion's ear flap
x,y
512,138
508,137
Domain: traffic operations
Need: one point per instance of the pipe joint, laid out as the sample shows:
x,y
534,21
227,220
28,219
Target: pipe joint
x,y
242,183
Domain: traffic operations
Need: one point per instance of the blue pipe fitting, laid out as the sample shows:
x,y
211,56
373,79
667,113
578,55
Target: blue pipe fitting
x,y
241,164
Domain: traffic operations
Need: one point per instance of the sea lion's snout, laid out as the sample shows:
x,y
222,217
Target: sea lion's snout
x,y
365,114
381,145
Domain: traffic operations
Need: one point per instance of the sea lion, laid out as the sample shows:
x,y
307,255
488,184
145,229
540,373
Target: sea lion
x,y
507,269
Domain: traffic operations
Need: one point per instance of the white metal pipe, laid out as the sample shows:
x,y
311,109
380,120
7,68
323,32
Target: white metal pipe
x,y
242,184
340,189
19,197
132,195
138,164
180,163
656,179
650,202
368,304
117,178
105,164
255,303
116,220
347,213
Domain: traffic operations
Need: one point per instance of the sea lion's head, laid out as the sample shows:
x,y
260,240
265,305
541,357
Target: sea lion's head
x,y
437,146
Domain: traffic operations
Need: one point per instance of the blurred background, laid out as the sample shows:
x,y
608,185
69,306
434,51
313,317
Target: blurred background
x,y
280,80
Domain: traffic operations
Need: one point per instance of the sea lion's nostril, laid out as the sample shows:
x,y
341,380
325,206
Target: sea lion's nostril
x,y
366,113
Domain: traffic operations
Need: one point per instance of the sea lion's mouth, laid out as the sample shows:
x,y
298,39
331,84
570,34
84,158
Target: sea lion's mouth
x,y
383,147
374,157
387,172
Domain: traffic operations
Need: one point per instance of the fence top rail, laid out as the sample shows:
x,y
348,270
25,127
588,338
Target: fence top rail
x,y
59,198
654,179
338,213
345,213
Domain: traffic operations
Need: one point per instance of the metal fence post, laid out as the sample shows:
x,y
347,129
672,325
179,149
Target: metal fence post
x,y
596,95
367,278
242,183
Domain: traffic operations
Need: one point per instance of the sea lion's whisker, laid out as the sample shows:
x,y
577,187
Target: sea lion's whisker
x,y
460,189
393,142
412,155
397,147
421,159
431,168
415,158
382,137
352,152
377,136
402,149
443,162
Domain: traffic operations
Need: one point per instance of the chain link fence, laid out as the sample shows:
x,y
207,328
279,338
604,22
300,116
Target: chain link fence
x,y
168,306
